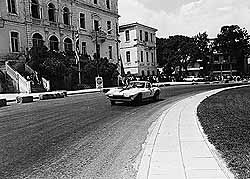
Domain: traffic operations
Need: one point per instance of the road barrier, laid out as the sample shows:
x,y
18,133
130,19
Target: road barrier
x,y
24,99
52,96
3,102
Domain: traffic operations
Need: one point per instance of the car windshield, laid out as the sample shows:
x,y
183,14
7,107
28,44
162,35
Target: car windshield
x,y
136,85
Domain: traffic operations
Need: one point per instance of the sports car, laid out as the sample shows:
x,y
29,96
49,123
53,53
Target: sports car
x,y
135,91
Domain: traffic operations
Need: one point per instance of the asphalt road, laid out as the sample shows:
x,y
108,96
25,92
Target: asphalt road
x,y
81,136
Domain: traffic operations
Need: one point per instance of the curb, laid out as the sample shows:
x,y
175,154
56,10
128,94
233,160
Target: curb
x,y
24,99
52,96
148,146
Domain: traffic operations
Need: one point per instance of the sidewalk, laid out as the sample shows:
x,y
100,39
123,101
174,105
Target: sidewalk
x,y
12,96
177,148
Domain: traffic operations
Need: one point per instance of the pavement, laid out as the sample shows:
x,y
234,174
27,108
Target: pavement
x,y
11,97
177,148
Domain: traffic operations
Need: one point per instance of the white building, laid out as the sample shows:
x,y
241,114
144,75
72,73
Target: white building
x,y
138,49
27,23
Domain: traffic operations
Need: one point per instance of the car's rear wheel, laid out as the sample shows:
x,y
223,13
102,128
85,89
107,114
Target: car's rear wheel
x,y
156,96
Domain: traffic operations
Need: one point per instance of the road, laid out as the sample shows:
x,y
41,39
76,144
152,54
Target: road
x,y
81,136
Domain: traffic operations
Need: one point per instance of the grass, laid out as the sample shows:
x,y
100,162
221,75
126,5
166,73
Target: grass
x,y
225,118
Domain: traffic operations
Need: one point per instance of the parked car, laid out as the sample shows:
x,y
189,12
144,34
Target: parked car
x,y
193,79
135,91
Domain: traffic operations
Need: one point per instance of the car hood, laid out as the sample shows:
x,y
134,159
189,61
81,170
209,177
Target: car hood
x,y
124,92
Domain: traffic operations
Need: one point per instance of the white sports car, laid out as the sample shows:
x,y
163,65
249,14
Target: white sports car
x,y
135,91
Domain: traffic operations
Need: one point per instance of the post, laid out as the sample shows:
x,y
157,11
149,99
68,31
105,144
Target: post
x,y
79,72
97,56
221,71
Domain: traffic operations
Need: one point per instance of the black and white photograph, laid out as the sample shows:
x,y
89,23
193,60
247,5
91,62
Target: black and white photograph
x,y
124,89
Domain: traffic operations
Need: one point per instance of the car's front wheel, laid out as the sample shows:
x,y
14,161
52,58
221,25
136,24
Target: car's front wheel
x,y
112,102
138,99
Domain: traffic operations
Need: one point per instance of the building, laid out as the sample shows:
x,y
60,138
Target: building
x,y
138,49
27,23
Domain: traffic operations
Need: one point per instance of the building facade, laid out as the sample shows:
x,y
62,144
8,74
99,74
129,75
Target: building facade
x,y
138,49
56,23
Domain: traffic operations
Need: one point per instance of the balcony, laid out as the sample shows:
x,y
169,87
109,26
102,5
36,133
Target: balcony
x,y
65,27
53,24
100,36
36,21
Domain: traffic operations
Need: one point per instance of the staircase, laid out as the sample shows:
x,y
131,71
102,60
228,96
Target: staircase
x,y
37,88
21,78
38,84
7,84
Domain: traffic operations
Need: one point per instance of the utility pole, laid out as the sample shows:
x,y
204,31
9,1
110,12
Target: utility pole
x,y
97,55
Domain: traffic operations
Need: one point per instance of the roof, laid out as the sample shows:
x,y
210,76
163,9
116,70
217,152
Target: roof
x,y
126,26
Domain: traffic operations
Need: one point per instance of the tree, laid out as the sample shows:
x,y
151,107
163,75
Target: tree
x,y
176,51
52,65
105,69
203,51
233,42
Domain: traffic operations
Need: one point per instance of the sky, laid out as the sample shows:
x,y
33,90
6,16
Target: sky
x,y
186,17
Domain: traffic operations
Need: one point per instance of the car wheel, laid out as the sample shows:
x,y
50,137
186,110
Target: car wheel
x,y
138,99
112,102
156,96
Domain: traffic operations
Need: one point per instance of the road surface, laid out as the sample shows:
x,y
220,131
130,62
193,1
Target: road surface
x,y
81,136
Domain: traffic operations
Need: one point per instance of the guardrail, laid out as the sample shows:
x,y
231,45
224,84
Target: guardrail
x,y
22,85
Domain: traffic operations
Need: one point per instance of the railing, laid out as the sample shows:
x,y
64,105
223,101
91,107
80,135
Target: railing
x,y
22,85
45,83
31,71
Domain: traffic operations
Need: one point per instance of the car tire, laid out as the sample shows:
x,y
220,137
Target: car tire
x,y
112,102
156,96
138,99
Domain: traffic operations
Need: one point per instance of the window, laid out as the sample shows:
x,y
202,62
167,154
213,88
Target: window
x,y
152,57
84,50
68,45
147,57
141,56
82,21
140,35
37,40
14,41
146,36
53,43
142,73
151,37
128,56
12,6
95,1
127,35
35,9
148,73
52,12
110,52
66,16
109,27
108,4
96,25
